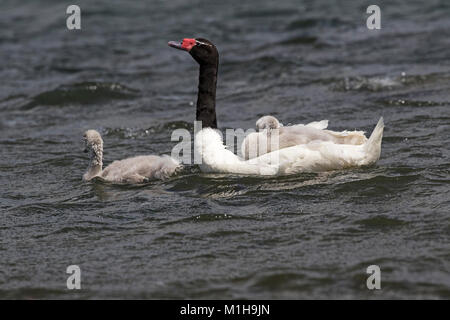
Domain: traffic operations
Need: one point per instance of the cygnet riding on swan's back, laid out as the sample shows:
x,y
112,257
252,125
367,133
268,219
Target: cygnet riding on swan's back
x,y
258,143
299,148
138,169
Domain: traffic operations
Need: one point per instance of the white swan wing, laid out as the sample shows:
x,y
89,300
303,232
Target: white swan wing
x,y
258,143
321,125
349,137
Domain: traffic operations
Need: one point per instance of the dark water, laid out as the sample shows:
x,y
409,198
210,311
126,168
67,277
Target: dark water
x,y
217,236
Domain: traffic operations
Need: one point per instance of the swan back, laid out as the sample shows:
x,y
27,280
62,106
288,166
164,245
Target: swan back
x,y
257,144
315,156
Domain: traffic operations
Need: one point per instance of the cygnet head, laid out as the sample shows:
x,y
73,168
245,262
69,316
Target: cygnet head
x,y
267,122
92,141
93,144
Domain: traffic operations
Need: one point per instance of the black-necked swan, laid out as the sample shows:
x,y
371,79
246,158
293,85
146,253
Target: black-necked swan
x,y
138,169
314,155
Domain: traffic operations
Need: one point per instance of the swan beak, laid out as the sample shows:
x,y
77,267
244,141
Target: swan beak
x,y
176,45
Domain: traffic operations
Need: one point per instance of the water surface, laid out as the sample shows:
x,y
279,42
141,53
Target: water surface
x,y
223,236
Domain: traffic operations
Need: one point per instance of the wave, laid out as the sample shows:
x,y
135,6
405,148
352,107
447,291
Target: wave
x,y
367,84
83,93
380,83
166,127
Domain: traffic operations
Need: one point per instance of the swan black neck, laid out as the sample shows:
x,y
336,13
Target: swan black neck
x,y
206,98
205,53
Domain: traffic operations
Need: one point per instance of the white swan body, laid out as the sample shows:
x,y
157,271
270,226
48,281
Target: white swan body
x,y
274,136
138,169
314,156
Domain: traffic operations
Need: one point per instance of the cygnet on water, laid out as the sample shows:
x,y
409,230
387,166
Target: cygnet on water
x,y
138,169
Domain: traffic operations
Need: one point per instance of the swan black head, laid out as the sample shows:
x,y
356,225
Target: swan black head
x,y
202,50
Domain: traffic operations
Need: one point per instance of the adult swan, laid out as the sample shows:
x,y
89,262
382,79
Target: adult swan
x,y
313,156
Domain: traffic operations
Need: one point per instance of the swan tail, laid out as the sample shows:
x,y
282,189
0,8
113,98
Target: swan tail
x,y
372,147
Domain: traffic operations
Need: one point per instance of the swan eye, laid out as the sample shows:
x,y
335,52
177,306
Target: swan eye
x,y
199,43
